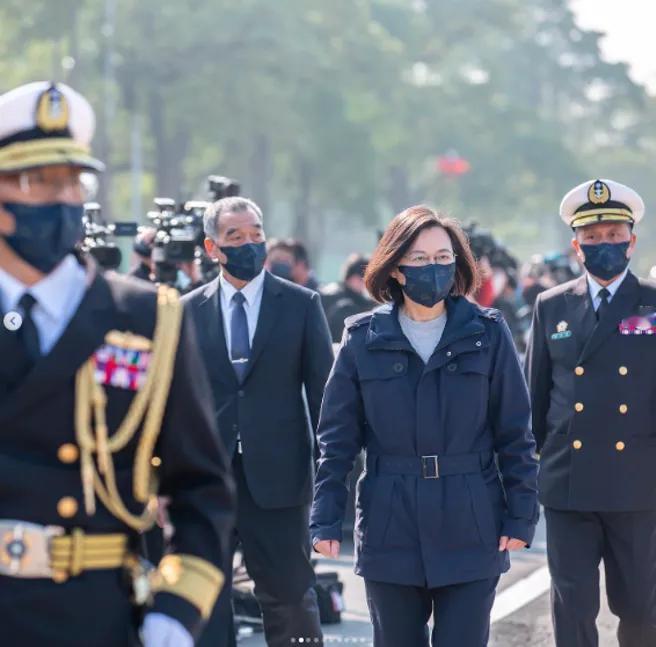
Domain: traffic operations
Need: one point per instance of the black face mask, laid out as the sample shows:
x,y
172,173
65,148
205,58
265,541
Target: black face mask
x,y
283,270
44,233
246,261
428,284
606,260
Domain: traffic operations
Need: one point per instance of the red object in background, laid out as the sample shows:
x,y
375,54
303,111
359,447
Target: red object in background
x,y
485,295
452,165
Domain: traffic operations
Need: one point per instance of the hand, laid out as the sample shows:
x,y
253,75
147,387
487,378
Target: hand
x,y
508,543
160,630
328,548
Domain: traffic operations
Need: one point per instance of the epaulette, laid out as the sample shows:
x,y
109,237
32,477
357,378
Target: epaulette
x,y
351,323
490,313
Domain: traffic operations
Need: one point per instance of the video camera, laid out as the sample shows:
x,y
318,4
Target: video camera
x,y
219,186
98,236
179,231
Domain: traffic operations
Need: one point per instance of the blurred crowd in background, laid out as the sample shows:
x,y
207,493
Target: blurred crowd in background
x,y
506,283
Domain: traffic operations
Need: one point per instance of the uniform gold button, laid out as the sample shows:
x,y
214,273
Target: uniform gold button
x,y
579,370
67,507
577,444
68,453
155,461
623,408
623,370
59,576
579,406
619,446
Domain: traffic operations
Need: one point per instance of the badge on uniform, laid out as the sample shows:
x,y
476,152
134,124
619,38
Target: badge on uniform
x,y
123,360
561,331
643,323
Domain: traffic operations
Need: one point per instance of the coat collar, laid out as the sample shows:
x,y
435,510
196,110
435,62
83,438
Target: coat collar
x,y
95,316
588,332
623,304
384,333
581,317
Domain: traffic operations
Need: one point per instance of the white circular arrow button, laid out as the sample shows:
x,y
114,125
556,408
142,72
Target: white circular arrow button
x,y
12,321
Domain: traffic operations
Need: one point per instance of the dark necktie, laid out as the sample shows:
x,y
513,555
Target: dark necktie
x,y
240,350
28,333
603,303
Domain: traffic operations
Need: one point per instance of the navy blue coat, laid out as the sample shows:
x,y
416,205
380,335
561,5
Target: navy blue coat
x,y
468,406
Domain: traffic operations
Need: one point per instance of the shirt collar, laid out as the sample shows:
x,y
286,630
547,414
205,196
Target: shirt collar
x,y
595,288
11,290
52,292
250,291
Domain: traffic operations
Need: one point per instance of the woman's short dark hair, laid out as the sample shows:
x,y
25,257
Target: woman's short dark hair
x,y
399,237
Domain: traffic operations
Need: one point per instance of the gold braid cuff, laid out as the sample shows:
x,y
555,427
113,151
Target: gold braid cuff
x,y
192,578
98,476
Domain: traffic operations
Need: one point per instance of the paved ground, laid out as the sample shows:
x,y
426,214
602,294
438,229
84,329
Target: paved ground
x,y
522,606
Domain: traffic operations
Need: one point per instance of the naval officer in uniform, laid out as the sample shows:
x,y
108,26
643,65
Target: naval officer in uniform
x,y
591,367
103,406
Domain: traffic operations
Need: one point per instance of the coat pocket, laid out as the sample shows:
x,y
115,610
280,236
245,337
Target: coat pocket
x,y
374,509
488,503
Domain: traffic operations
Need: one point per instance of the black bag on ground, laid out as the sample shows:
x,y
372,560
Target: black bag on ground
x,y
330,597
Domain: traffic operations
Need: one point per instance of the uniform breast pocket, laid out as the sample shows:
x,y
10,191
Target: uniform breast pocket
x,y
563,347
633,349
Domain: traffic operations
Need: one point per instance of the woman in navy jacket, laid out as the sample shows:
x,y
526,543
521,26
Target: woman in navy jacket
x,y
430,385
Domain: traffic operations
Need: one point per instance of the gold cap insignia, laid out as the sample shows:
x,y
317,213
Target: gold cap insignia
x,y
598,193
562,326
52,111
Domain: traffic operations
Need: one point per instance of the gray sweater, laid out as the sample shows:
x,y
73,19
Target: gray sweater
x,y
423,335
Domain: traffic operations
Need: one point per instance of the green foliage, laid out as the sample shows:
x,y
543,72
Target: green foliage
x,y
336,111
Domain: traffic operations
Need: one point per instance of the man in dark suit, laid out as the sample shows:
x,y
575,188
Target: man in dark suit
x,y
591,367
103,405
265,342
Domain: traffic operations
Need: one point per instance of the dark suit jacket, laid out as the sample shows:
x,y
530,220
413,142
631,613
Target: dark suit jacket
x,y
291,350
592,391
37,417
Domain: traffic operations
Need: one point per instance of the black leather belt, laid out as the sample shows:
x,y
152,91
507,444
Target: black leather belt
x,y
429,467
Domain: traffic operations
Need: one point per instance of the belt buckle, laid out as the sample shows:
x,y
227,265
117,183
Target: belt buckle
x,y
434,463
25,548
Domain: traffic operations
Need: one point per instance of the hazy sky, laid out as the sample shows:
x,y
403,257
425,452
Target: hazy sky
x,y
629,25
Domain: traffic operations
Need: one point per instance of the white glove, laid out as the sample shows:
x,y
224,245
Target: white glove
x,y
160,630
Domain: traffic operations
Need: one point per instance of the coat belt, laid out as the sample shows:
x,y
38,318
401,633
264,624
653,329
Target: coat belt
x,y
429,467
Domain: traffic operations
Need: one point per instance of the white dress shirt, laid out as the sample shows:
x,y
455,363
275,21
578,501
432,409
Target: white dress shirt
x,y
160,630
57,295
253,300
252,292
595,288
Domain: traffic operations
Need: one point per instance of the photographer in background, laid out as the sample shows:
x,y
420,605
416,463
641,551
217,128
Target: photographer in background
x,y
280,258
289,260
348,297
509,302
143,250
303,274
